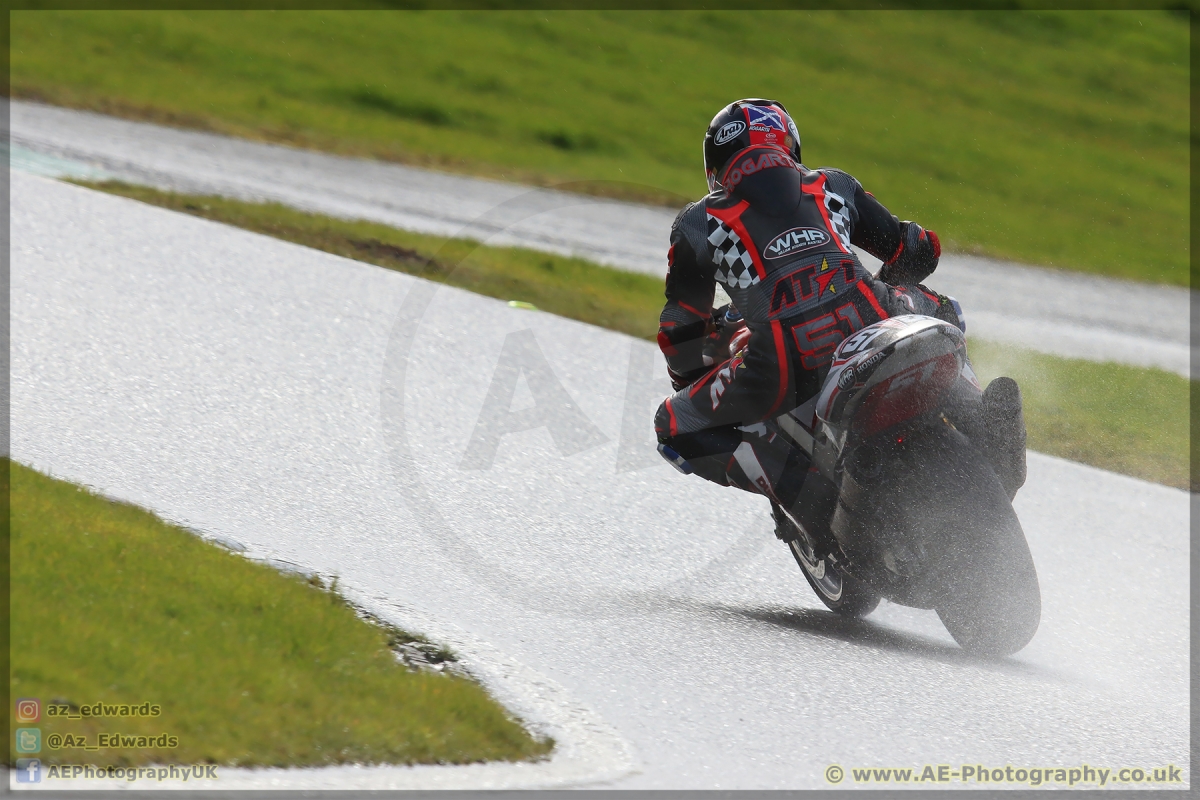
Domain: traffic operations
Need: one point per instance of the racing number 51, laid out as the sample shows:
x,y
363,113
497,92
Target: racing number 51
x,y
818,338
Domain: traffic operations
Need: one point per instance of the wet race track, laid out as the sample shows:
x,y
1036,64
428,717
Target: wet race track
x,y
350,420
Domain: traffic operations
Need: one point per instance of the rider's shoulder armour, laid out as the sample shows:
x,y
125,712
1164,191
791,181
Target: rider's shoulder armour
x,y
842,183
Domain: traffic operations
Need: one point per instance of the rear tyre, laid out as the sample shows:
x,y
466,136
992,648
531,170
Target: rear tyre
x,y
996,606
990,601
840,592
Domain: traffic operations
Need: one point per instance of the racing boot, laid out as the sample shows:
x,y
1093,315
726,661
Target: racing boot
x,y
1004,432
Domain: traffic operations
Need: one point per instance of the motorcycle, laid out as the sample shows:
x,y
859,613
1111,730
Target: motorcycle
x,y
924,463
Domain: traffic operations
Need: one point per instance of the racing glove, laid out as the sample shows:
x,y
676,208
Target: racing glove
x,y
915,259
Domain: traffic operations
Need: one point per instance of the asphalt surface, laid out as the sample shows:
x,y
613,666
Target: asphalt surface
x,y
334,415
1064,313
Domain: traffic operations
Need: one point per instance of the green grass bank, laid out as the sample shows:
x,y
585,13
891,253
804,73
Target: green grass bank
x,y
1120,418
1051,137
1125,419
249,667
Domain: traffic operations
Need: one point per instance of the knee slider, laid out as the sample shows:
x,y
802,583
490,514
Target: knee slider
x,y
662,428
674,459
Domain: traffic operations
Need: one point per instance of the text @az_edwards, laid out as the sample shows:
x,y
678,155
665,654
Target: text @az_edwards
x,y
1030,776
112,741
87,710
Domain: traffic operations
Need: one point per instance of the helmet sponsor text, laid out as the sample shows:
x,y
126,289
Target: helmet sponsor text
x,y
729,131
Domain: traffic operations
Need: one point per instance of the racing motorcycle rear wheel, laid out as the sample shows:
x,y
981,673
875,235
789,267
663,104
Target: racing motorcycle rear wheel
x,y
987,591
840,592
993,605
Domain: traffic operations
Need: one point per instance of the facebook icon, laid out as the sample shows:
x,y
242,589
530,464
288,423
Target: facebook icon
x,y
29,770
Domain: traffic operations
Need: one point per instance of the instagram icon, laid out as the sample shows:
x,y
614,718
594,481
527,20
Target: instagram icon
x,y
28,710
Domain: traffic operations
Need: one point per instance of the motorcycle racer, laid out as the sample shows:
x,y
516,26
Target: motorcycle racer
x,y
777,236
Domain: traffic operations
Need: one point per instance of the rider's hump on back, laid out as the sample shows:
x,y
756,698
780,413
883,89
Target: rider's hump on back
x,y
773,189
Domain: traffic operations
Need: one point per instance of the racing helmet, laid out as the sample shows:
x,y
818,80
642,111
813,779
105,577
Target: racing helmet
x,y
742,124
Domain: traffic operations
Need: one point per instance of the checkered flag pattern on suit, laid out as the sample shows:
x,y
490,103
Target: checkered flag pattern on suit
x,y
735,267
839,215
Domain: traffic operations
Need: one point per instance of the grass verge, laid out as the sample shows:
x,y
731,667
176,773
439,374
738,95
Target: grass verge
x,y
570,287
1005,131
246,665
1119,418
1125,419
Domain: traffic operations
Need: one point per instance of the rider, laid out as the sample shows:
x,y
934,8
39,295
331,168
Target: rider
x,y
777,237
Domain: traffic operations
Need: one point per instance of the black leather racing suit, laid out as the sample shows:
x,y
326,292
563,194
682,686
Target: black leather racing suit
x,y
778,240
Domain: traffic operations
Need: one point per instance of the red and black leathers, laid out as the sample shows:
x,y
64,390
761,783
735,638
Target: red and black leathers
x,y
778,239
